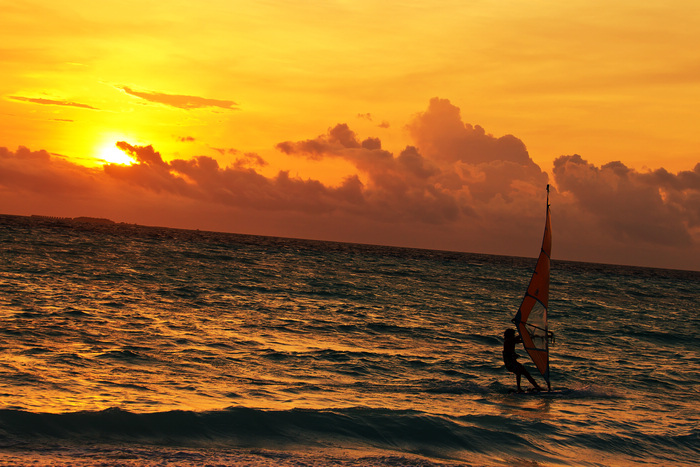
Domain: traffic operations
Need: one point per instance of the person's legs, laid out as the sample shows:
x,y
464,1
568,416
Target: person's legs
x,y
530,379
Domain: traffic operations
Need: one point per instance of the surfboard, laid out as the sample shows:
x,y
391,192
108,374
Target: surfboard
x,y
533,393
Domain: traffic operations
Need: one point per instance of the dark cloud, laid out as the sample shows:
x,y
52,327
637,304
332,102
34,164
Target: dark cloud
x,y
431,189
457,187
249,159
178,100
370,118
43,101
24,154
223,151
457,171
335,143
142,154
203,179
654,208
150,171
681,190
23,171
416,164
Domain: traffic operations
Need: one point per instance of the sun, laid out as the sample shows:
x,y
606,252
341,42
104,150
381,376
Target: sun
x,y
111,154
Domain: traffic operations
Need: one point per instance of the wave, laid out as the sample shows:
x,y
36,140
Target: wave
x,y
240,424
409,432
403,431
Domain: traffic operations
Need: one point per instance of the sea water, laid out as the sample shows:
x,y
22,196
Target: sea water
x,y
131,345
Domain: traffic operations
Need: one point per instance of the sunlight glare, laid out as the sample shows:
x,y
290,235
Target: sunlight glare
x,y
111,154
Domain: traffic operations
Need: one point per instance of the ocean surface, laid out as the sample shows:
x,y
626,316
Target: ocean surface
x,y
131,345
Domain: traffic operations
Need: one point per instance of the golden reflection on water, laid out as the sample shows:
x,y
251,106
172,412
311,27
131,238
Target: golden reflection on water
x,y
153,322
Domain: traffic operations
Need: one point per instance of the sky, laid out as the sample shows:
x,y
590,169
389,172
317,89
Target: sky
x,y
429,124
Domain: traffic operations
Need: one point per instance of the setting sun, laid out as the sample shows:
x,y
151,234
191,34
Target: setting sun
x,y
109,153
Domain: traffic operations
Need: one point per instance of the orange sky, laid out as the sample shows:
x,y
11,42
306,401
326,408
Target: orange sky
x,y
372,112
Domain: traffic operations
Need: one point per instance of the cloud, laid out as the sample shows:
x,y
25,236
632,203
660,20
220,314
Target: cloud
x,y
202,178
249,159
682,191
441,135
224,151
454,163
657,208
150,171
178,100
455,187
24,170
368,116
336,142
488,166
43,101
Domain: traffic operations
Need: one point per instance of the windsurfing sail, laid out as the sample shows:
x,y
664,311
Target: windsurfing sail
x,y
531,318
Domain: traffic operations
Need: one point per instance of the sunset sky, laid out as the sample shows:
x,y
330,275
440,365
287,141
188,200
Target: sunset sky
x,y
432,124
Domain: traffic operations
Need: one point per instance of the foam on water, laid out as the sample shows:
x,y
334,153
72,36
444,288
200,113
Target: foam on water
x,y
151,343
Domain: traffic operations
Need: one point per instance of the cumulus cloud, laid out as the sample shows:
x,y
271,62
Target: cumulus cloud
x,y
657,208
150,171
178,100
489,166
42,101
454,168
24,170
339,141
238,185
441,135
455,187
398,187
682,191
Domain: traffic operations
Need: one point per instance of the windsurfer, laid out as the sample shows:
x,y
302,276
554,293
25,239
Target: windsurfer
x,y
511,359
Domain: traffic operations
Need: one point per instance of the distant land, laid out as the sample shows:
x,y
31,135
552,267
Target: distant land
x,y
90,220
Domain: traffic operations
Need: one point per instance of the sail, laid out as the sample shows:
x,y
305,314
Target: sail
x,y
531,318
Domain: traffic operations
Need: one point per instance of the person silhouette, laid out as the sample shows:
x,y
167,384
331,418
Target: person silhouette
x,y
510,358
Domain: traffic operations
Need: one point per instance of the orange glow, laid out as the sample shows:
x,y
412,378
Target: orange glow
x,y
216,87
111,154
565,78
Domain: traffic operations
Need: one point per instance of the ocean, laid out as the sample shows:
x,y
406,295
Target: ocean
x,y
132,345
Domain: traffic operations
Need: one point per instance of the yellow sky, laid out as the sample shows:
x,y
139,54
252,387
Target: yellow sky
x,y
613,80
